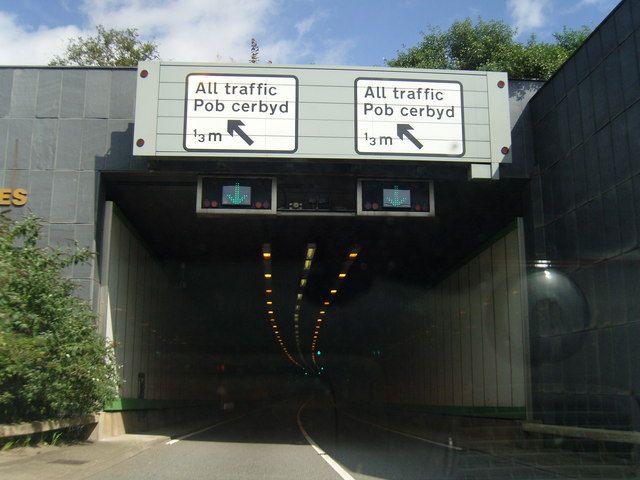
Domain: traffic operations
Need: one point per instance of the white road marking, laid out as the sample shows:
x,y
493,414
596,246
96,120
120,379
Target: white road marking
x,y
183,437
324,455
405,434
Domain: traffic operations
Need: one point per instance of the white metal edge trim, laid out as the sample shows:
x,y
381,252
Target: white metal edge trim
x,y
146,95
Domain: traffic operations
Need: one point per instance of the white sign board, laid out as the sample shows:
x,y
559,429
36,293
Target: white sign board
x,y
409,117
241,113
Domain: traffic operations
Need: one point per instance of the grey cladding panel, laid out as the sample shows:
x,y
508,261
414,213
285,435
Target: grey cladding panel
x,y
98,93
73,86
23,95
49,92
6,85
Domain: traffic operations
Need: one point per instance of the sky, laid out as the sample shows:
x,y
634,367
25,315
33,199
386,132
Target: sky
x,y
323,32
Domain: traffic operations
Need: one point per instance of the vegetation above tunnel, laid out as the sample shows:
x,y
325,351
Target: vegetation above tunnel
x,y
490,45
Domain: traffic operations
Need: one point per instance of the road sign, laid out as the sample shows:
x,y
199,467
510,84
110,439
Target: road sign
x,y
230,112
236,195
395,197
409,117
241,113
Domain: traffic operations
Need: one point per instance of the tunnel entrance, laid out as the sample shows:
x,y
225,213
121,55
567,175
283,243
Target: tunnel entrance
x,y
224,310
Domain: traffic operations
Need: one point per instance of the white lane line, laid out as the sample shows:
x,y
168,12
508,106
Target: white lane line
x,y
404,434
324,455
183,437
237,417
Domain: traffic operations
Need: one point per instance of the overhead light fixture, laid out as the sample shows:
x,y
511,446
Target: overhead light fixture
x,y
311,250
268,290
342,275
322,312
267,275
353,255
299,296
303,282
333,292
270,312
326,303
307,264
269,302
319,320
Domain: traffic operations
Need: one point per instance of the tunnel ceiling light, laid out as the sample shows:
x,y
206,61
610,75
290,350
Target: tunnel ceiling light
x,y
326,303
270,312
269,302
266,255
333,292
353,255
319,320
268,290
322,312
342,275
303,282
267,275
299,296
311,250
307,264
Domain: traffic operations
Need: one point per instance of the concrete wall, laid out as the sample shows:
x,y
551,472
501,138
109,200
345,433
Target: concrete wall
x,y
584,218
140,301
469,354
60,127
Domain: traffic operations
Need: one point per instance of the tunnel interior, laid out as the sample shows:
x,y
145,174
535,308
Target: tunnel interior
x,y
215,331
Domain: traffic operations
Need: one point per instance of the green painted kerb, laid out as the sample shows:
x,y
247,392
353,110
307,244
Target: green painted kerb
x,y
510,413
142,404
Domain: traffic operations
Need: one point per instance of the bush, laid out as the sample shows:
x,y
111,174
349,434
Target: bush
x,y
53,362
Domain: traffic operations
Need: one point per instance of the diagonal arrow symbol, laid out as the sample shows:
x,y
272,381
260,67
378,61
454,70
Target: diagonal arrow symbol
x,y
233,126
403,131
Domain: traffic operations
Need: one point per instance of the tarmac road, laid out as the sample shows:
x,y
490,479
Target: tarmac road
x,y
302,439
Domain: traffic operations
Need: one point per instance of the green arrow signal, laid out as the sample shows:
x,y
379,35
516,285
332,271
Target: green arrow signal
x,y
236,198
396,200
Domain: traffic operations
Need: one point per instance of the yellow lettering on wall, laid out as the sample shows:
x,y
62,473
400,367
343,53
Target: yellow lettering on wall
x,y
16,197
20,197
5,196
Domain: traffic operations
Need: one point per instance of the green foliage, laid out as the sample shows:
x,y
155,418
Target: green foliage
x,y
491,45
108,48
53,362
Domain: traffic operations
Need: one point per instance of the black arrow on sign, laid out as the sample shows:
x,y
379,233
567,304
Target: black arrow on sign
x,y
403,131
234,126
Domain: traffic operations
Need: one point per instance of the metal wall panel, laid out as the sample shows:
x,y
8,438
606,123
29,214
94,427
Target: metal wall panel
x,y
473,334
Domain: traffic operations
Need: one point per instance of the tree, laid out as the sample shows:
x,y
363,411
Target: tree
x,y
53,362
108,48
490,45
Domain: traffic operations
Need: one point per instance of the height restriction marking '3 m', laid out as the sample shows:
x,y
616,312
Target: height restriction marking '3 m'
x,y
409,117
241,113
